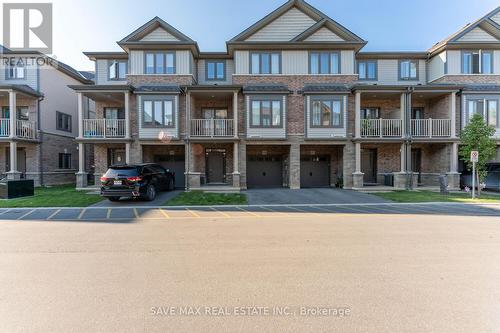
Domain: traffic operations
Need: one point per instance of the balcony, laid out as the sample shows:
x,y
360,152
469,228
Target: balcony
x,y
382,128
103,128
211,128
25,129
429,128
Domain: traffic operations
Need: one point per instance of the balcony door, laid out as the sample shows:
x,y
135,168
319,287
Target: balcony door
x,y
214,115
417,113
370,113
113,126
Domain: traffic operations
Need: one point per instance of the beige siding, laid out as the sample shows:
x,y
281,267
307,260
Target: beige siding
x,y
31,77
325,133
496,18
347,62
265,133
388,72
324,35
183,64
453,62
136,62
202,73
154,133
295,62
58,97
159,35
477,35
241,62
284,28
436,66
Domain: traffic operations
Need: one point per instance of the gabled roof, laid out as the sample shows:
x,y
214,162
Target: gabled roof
x,y
321,19
485,23
152,25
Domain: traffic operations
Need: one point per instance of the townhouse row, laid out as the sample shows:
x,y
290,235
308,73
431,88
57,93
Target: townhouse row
x,y
293,102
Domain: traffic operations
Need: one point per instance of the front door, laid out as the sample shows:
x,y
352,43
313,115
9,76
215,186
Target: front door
x,y
416,162
116,156
215,166
369,165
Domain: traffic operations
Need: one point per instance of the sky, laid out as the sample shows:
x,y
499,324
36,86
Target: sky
x,y
387,25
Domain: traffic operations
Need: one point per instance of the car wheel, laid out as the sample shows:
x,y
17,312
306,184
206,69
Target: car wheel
x,y
150,193
113,198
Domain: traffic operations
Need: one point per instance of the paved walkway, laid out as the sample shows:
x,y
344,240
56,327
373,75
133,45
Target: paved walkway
x,y
309,196
129,214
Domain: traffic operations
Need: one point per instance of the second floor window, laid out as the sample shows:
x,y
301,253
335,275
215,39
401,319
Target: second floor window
x,y
22,113
16,71
215,70
64,161
266,113
367,69
160,63
326,112
63,121
324,63
408,70
265,63
477,62
487,108
117,70
158,113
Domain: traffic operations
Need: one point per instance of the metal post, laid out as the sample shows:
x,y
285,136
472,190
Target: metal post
x,y
473,180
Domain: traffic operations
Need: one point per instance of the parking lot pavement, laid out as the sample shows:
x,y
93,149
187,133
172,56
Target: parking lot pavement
x,y
125,213
161,198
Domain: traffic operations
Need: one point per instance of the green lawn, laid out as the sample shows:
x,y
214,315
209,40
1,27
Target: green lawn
x,y
56,196
200,198
428,196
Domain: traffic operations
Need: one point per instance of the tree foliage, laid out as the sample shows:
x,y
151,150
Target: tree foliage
x,y
477,135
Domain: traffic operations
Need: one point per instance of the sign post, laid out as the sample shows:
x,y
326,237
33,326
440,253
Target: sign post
x,y
474,157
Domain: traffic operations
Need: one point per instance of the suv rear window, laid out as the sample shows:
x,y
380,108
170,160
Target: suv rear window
x,y
121,172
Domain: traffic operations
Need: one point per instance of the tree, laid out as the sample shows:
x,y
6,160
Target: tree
x,y
477,136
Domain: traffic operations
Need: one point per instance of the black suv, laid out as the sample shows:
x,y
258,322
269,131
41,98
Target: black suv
x,y
137,181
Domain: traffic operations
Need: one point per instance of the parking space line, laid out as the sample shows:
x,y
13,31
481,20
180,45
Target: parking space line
x,y
28,213
193,213
136,213
164,213
53,214
303,211
81,214
7,210
108,214
273,211
220,212
249,212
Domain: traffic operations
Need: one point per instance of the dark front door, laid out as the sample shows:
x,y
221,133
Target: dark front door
x,y
264,171
417,113
116,156
369,165
315,171
215,166
416,162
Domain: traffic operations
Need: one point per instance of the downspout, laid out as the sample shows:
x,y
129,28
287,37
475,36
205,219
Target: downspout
x,y
40,145
186,139
408,139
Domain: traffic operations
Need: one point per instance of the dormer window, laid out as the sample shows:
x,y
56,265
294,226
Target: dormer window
x,y
477,62
117,69
160,63
215,70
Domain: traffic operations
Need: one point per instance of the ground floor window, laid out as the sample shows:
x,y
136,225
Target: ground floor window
x,y
64,161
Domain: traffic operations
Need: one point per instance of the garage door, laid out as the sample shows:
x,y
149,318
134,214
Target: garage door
x,y
175,164
264,171
314,171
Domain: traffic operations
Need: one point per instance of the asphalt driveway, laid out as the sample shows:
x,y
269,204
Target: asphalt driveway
x,y
309,196
160,200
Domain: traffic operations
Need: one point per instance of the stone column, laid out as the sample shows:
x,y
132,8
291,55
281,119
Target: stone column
x,y
453,176
13,173
127,153
236,169
12,115
294,167
81,175
80,114
127,115
402,107
453,114
357,176
357,115
400,177
235,114
242,156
